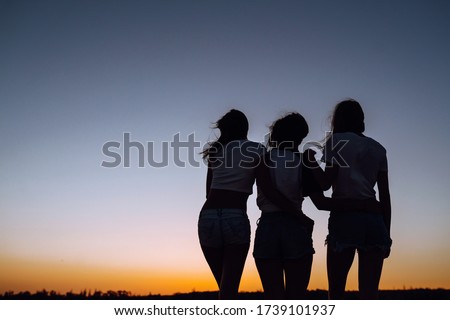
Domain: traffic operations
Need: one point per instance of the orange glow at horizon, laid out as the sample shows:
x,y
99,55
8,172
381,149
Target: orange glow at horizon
x,y
26,275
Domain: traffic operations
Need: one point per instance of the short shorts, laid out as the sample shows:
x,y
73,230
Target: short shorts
x,y
223,227
281,235
360,230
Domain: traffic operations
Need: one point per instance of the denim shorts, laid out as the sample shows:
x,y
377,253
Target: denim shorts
x,y
361,230
281,235
223,227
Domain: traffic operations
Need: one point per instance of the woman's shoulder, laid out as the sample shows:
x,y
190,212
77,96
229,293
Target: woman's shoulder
x,y
283,157
345,136
374,143
244,143
351,136
249,144
253,143
340,137
244,149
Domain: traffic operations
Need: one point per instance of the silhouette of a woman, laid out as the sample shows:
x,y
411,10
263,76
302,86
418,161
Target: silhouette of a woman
x,y
223,225
354,164
283,248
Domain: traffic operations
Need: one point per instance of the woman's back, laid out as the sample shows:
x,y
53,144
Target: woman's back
x,y
355,163
360,159
286,174
233,167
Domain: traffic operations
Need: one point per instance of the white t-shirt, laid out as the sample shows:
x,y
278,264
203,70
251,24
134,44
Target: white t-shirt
x,y
286,175
360,159
234,167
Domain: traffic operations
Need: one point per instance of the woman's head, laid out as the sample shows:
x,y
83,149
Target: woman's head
x,y
348,116
288,131
233,126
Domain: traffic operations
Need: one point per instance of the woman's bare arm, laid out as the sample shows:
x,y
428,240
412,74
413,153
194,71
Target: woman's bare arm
x,y
324,178
331,204
385,198
208,180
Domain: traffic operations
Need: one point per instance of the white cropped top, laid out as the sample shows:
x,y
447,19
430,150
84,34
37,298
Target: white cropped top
x,y
234,167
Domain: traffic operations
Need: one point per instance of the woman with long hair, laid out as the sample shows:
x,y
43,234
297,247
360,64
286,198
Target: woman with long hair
x,y
283,248
223,225
355,163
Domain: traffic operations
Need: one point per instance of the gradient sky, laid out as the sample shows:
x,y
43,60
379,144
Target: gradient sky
x,y
76,74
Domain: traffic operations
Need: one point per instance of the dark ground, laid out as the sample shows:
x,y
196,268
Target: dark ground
x,y
410,294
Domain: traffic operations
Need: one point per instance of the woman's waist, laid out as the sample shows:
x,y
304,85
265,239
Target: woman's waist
x,y
223,213
280,214
233,182
266,205
220,198
357,205
354,213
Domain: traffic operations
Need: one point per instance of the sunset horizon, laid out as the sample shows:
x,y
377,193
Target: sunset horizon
x,y
66,277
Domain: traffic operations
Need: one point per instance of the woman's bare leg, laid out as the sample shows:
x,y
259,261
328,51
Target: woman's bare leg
x,y
227,265
214,258
338,266
297,273
369,273
272,278
233,265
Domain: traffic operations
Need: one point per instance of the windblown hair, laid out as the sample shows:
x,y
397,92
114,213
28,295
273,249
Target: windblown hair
x,y
233,126
288,131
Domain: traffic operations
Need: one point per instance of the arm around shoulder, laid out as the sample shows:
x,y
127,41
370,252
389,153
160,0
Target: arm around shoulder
x,y
324,178
265,183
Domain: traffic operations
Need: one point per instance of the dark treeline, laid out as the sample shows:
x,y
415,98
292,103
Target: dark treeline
x,y
406,294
